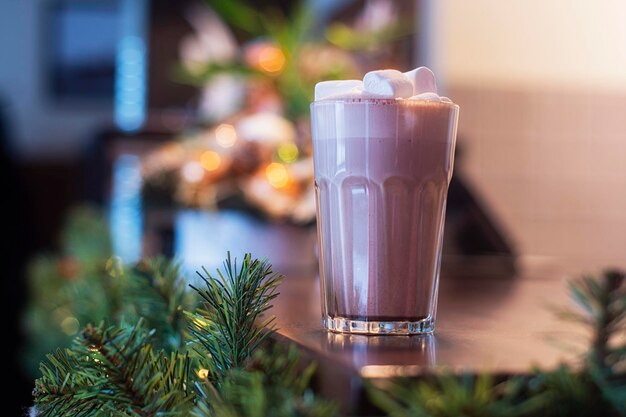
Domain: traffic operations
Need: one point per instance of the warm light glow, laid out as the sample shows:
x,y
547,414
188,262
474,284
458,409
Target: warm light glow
x,y
277,175
210,160
288,152
203,373
198,322
114,266
271,59
193,171
225,135
70,326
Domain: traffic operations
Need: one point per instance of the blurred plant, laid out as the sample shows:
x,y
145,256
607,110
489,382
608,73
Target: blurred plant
x,y
450,395
257,68
86,284
271,56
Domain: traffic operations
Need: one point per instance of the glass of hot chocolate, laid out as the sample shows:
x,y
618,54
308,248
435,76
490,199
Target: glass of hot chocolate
x,y
383,152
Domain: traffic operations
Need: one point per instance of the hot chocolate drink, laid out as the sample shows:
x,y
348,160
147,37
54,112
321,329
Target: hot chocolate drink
x,y
382,169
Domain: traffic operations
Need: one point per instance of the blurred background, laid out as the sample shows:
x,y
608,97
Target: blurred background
x,y
181,128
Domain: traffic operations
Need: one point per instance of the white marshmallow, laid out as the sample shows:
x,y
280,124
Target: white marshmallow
x,y
423,80
418,84
328,89
354,94
387,84
427,97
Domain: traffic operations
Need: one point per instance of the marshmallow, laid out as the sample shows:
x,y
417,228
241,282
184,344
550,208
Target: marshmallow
x,y
327,89
418,84
387,84
355,94
427,97
423,80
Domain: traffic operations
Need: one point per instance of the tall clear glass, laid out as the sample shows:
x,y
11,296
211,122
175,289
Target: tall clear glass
x,y
382,169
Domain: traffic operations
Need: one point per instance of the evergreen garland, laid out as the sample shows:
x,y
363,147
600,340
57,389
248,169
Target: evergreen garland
x,y
126,369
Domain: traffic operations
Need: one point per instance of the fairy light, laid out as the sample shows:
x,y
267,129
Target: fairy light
x,y
200,323
203,373
225,135
288,152
114,266
277,175
193,171
210,160
271,59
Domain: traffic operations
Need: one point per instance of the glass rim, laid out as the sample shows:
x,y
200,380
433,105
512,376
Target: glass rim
x,y
386,101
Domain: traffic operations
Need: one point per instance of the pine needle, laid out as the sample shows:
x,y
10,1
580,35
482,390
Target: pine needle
x,y
227,329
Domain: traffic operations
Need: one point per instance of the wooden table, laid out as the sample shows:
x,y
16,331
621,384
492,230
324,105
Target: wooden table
x,y
501,325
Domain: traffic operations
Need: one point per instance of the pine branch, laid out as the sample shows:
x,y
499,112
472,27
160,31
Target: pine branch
x,y
86,235
62,391
603,307
159,295
113,370
453,396
275,384
566,392
234,301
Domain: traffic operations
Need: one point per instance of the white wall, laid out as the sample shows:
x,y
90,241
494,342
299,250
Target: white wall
x,y
560,43
41,130
542,90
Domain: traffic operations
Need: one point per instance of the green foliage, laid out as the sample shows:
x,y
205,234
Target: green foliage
x,y
274,384
160,296
450,395
603,303
343,36
565,392
239,14
120,371
113,371
86,284
79,286
86,236
234,300
603,309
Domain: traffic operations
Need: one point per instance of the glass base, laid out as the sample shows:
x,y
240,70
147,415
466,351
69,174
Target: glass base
x,y
345,325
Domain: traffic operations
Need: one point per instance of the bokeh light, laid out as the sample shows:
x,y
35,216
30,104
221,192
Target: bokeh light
x,y
271,59
192,171
288,152
70,326
277,175
115,266
210,160
225,135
